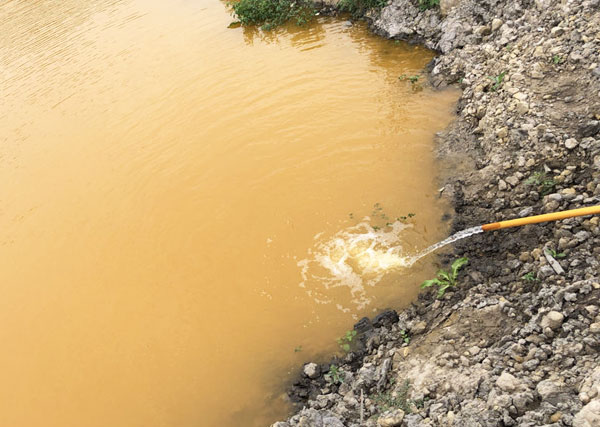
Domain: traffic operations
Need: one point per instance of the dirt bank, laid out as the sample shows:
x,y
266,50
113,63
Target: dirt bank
x,y
518,341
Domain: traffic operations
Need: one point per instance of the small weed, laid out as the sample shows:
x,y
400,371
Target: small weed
x,y
557,255
428,4
345,341
544,184
445,279
298,349
508,47
334,376
359,7
497,80
385,401
557,59
530,277
405,337
413,79
271,13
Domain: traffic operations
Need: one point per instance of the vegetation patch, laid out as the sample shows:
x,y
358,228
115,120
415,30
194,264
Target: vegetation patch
x,y
446,279
428,4
269,14
360,7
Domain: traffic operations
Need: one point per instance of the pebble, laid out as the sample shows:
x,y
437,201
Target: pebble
x,y
571,143
552,320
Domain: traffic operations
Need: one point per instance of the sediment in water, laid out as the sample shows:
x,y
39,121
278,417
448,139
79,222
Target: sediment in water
x,y
516,343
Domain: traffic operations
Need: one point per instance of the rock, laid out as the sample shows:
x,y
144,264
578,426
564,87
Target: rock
x,y
386,318
595,328
447,5
590,128
557,31
363,325
418,328
552,320
508,383
548,389
391,418
522,107
571,143
496,23
589,416
312,370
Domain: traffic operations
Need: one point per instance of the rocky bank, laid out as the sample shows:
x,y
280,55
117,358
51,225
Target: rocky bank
x,y
517,343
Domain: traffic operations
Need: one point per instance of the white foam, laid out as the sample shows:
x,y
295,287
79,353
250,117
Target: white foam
x,y
354,258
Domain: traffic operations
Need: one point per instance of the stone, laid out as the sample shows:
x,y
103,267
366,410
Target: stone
x,y
418,328
522,107
496,24
595,328
552,320
312,370
548,389
391,418
571,143
363,325
557,31
447,5
386,318
589,128
508,382
589,416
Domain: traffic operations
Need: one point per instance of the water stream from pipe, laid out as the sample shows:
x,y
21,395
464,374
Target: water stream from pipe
x,y
361,256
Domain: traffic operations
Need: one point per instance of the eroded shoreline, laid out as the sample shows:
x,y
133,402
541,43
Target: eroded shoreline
x,y
517,342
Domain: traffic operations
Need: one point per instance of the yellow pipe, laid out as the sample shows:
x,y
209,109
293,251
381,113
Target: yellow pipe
x,y
555,216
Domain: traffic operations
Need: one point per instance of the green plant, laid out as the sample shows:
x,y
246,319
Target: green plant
x,y
530,277
359,7
557,59
445,279
345,340
428,4
405,337
497,80
544,184
386,401
334,376
556,255
413,79
272,13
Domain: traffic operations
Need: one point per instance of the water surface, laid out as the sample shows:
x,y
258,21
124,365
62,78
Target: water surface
x,y
171,195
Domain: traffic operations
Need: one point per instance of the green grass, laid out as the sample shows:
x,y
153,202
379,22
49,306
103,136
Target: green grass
x,y
428,4
540,180
497,81
360,7
446,279
269,14
334,376
413,79
346,340
385,401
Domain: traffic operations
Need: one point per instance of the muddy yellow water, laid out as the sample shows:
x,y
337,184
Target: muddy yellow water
x,y
188,212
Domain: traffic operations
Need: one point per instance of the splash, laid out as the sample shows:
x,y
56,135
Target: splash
x,y
355,258
359,257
